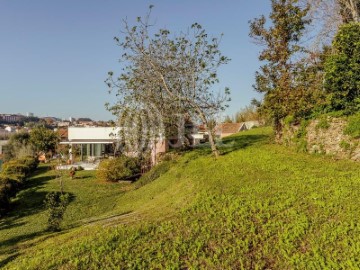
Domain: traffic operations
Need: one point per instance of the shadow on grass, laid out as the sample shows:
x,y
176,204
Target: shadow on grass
x,y
29,201
8,259
11,252
81,177
230,144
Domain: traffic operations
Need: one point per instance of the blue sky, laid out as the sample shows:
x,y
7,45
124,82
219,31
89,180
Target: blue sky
x,y
55,55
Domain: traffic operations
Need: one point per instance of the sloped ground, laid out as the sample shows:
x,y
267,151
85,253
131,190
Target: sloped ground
x,y
259,206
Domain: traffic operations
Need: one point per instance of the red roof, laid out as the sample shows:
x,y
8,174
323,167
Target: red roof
x,y
229,127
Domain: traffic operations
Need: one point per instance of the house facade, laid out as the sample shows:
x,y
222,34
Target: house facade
x,y
89,143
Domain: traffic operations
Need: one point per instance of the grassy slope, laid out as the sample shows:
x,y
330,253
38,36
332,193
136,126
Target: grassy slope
x,y
258,206
28,218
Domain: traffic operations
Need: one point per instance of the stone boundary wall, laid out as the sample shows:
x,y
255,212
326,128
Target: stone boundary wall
x,y
329,140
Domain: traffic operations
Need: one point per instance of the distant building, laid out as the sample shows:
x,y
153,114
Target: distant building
x,y
63,124
30,114
85,122
10,129
227,129
11,118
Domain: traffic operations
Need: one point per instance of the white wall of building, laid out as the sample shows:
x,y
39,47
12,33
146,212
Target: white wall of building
x,y
93,133
2,143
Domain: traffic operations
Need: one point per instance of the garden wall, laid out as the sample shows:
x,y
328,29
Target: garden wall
x,y
323,136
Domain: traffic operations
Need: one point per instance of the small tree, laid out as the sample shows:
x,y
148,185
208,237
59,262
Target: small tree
x,y
43,139
56,202
173,76
18,146
342,70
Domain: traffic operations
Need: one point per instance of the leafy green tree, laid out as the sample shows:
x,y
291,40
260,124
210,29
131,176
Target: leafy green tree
x,y
342,70
282,43
18,146
43,139
173,75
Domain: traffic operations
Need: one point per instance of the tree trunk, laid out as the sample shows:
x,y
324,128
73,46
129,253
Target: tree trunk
x,y
354,10
214,149
278,130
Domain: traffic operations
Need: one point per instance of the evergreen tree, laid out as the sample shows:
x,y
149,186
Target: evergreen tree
x,y
342,70
282,43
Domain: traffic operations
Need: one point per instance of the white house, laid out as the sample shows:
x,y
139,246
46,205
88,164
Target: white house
x,y
92,142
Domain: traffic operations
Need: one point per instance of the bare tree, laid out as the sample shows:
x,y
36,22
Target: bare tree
x,y
173,75
327,16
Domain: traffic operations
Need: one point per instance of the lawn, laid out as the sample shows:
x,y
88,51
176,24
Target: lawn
x,y
28,217
259,206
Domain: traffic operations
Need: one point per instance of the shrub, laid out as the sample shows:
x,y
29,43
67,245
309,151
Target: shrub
x,y
13,175
322,124
16,170
8,189
154,173
301,133
30,162
353,126
121,168
345,145
4,198
72,172
56,202
289,120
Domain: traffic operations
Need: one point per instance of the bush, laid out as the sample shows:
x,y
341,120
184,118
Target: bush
x,y
30,162
289,120
121,168
16,170
8,190
4,198
72,172
13,175
56,202
323,123
353,126
345,145
154,173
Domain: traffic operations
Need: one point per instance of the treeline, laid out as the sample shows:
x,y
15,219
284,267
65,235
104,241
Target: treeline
x,y
299,81
23,144
248,113
12,178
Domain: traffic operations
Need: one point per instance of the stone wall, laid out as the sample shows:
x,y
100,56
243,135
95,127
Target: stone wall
x,y
325,136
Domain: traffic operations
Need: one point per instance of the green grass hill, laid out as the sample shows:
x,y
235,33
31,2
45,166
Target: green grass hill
x,y
259,206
